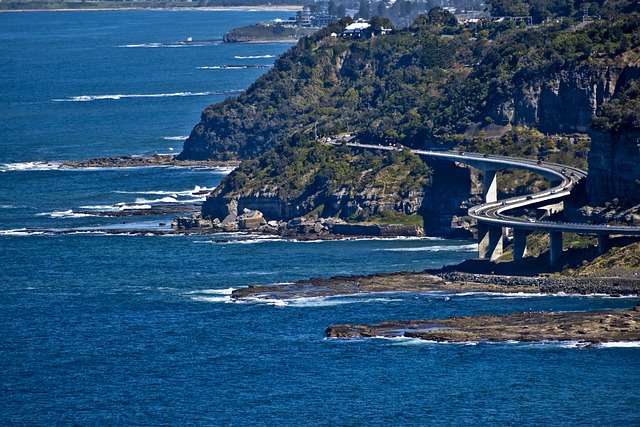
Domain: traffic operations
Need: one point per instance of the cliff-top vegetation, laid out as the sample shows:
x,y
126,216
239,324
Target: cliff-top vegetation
x,y
434,83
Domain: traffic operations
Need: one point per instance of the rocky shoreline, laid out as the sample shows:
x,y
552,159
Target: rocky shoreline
x,y
441,282
584,327
145,161
587,327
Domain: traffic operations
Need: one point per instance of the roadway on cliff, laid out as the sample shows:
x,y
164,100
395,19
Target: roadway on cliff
x,y
493,213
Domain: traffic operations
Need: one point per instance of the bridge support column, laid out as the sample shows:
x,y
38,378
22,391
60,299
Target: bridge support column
x,y
491,242
604,243
490,183
519,244
556,246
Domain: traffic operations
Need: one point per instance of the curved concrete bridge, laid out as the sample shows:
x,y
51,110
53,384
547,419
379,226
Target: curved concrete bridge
x,y
492,217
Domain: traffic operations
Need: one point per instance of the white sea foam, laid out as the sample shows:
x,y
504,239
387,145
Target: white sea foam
x,y
175,138
437,248
231,67
65,214
533,344
223,299
326,301
407,341
620,344
254,56
501,295
30,166
87,98
168,199
20,232
196,189
156,45
227,291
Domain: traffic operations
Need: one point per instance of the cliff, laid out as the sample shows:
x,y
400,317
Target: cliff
x,y
499,88
303,177
427,84
615,151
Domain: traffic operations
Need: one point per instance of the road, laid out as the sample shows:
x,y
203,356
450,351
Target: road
x,y
563,179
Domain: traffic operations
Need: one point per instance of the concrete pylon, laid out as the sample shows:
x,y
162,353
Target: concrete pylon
x,y
604,243
491,242
490,183
555,246
519,243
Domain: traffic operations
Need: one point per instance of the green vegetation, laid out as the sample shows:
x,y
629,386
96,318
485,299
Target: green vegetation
x,y
622,113
307,173
262,32
395,217
617,260
433,84
426,85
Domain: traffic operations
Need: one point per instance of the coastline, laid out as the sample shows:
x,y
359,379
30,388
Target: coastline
x,y
265,8
439,281
155,160
586,328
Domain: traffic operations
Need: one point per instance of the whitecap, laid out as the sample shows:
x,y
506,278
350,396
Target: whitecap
x,y
320,301
168,199
410,341
175,138
20,232
231,67
223,299
124,206
31,166
437,248
501,295
620,344
87,98
65,214
145,45
254,56
227,291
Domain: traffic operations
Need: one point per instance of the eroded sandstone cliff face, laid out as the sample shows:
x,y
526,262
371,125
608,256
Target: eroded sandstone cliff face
x,y
614,158
342,204
614,167
564,101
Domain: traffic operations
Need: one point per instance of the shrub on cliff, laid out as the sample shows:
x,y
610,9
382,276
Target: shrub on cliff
x,y
306,173
431,82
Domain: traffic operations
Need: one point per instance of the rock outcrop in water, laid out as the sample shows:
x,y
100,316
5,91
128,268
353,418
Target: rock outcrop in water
x,y
586,327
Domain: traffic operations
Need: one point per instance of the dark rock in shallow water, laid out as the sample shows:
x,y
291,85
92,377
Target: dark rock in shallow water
x,y
590,327
141,161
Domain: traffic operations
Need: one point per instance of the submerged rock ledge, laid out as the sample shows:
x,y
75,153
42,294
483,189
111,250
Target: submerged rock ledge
x,y
589,327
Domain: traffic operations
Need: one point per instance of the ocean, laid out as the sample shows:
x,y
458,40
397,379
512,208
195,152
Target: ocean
x,y
139,329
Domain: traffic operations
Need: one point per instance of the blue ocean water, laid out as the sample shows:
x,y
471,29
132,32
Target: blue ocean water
x,y
138,329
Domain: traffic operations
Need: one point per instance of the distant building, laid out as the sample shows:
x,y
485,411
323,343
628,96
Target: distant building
x,y
361,30
357,30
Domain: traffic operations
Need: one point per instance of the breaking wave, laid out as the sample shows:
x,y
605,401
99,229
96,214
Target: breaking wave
x,y
175,138
254,56
438,248
87,98
212,295
30,166
187,43
324,301
65,214
232,67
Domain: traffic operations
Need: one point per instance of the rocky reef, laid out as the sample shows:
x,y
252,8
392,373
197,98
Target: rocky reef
x,y
585,327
